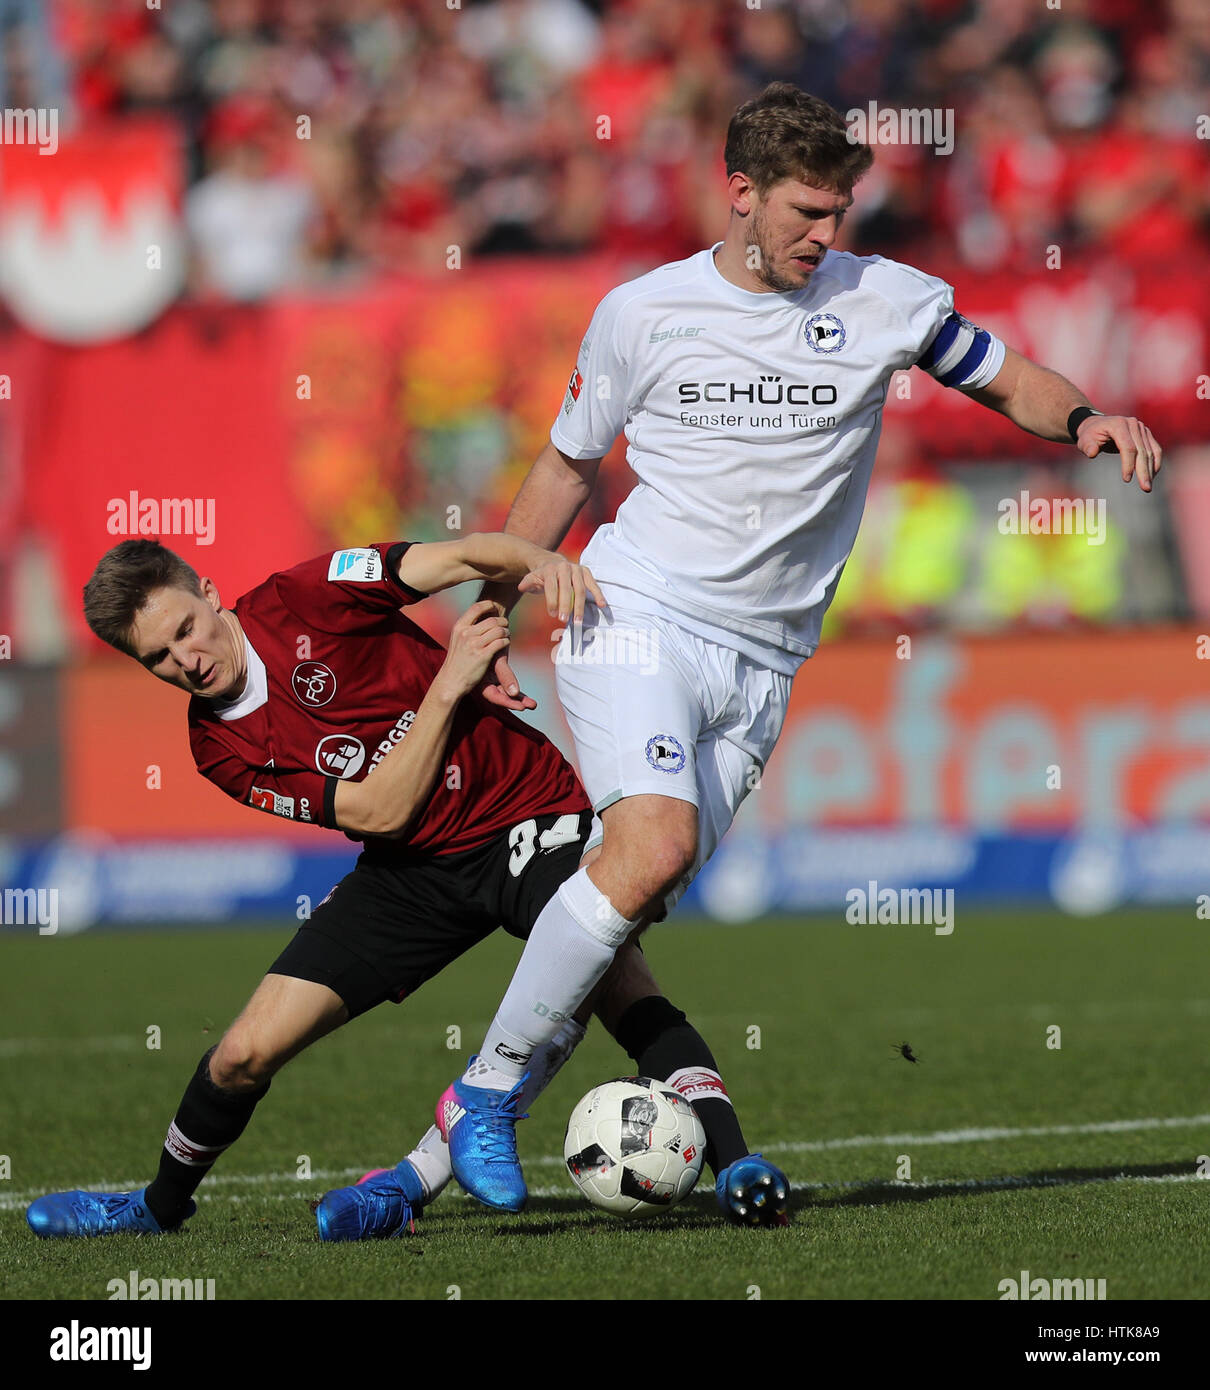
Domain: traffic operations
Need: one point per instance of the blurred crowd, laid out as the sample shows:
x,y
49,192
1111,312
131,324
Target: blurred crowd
x,y
559,126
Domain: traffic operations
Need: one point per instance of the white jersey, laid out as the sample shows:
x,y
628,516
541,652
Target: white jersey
x,y
752,422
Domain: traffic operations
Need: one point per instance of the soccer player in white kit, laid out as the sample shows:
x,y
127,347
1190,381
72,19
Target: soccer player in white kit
x,y
749,380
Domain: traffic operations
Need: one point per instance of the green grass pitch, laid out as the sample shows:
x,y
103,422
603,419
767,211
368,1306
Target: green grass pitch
x,y
1076,1161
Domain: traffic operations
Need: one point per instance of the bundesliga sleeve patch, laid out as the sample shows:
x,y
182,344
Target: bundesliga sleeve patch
x,y
356,566
574,387
266,799
962,354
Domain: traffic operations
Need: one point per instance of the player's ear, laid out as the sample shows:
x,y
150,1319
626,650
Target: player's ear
x,y
743,193
211,594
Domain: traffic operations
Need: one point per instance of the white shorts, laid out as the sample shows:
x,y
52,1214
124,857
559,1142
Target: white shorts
x,y
655,709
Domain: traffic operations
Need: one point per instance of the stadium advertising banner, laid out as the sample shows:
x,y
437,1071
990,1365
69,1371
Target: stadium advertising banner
x,y
1072,768
1065,768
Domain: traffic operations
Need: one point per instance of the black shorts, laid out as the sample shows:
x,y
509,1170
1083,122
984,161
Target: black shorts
x,y
397,920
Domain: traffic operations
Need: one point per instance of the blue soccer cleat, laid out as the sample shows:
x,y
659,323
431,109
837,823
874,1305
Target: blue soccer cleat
x,y
96,1214
752,1192
384,1203
480,1126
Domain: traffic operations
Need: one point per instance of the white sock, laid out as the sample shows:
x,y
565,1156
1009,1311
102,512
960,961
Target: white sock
x,y
431,1157
431,1160
480,1072
548,1059
571,946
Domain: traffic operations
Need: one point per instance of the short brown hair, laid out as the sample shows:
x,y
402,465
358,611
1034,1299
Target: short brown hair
x,y
785,133
123,580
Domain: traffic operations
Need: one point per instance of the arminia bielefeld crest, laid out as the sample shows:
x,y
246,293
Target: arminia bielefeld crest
x,y
824,333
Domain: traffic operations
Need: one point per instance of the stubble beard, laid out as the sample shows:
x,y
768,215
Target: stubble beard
x,y
763,270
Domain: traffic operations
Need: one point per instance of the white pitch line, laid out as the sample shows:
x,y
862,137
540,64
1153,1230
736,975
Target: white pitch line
x,y
942,1136
987,1134
991,1184
216,1180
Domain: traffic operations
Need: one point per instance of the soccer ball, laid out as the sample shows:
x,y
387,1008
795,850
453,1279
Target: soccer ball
x,y
634,1146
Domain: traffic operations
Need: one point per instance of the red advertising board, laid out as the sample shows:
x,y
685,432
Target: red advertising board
x,y
998,734
1003,734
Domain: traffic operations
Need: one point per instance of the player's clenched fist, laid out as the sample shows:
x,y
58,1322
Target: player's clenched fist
x,y
476,639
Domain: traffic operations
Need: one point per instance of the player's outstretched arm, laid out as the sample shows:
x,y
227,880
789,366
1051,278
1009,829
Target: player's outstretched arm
x,y
386,803
513,563
1042,402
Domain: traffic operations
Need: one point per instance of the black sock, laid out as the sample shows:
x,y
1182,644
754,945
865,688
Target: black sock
x,y
208,1121
665,1045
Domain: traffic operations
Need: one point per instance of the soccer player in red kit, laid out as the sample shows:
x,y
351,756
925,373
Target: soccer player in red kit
x,y
317,700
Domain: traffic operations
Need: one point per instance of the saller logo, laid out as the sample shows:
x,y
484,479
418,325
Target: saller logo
x,y
661,335
768,390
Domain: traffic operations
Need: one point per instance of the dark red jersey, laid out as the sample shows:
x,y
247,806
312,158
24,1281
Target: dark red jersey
x,y
335,676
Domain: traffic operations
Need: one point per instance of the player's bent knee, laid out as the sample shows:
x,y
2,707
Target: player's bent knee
x,y
666,860
653,864
650,845
240,1064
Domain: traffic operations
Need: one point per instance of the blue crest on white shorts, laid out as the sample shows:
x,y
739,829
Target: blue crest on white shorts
x,y
665,753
